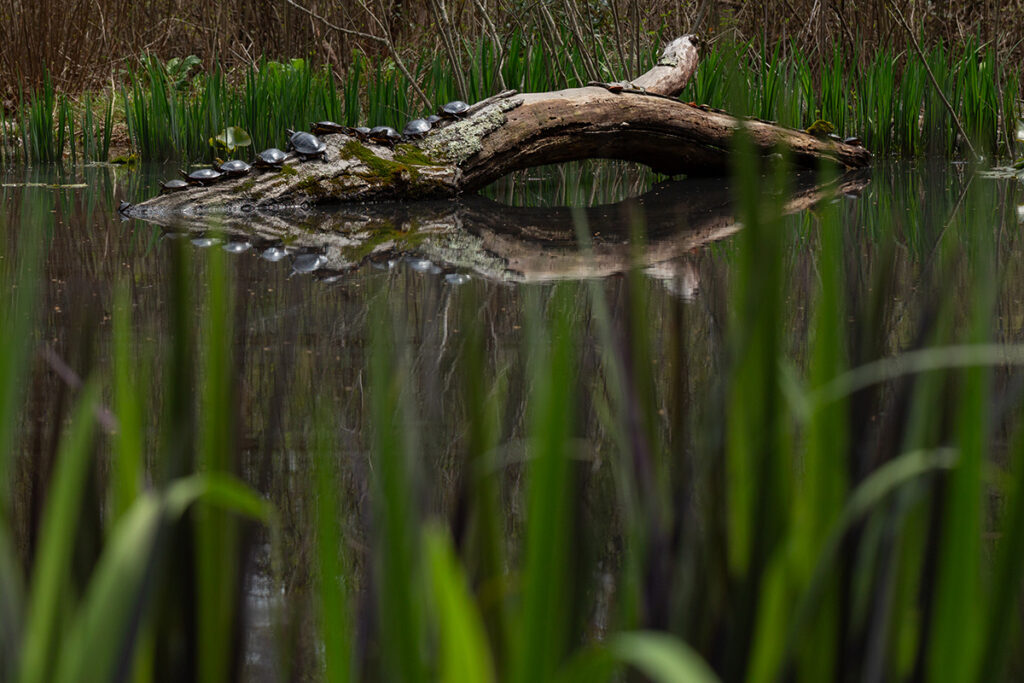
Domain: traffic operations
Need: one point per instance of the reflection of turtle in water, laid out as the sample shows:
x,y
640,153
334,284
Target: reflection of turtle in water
x,y
820,128
270,158
307,145
307,263
202,176
174,185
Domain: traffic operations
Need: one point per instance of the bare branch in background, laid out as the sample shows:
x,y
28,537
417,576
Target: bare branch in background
x,y
920,53
386,42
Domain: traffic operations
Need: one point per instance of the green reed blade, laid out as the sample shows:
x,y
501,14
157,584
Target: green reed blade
x,y
401,610
661,657
465,656
44,629
217,537
543,622
333,571
127,465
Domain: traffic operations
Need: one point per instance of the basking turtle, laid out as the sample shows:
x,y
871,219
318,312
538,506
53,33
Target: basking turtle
x,y
123,207
326,128
174,185
360,132
820,128
454,110
270,158
236,168
417,128
307,145
855,141
384,135
203,176
433,118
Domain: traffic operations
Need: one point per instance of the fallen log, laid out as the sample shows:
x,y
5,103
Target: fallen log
x,y
640,121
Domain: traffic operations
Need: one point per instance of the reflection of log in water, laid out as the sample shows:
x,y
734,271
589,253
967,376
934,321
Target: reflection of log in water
x,y
514,244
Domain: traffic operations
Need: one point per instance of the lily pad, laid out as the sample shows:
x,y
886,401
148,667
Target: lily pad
x,y
231,138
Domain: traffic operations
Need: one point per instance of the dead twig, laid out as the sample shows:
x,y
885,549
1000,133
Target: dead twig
x,y
898,15
386,42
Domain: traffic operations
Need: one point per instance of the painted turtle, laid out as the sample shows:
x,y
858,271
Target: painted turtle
x,y
855,141
174,185
385,135
236,168
306,145
326,128
360,132
203,176
416,128
270,158
454,110
433,118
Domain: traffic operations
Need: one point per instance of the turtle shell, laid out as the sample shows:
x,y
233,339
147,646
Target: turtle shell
x,y
385,134
854,141
416,128
454,109
203,176
235,167
272,157
433,118
306,144
326,128
274,254
238,247
307,263
174,185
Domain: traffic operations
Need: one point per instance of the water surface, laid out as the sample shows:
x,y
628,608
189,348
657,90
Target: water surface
x,y
306,290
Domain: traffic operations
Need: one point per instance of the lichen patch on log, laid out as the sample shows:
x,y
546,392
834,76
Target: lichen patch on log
x,y
459,141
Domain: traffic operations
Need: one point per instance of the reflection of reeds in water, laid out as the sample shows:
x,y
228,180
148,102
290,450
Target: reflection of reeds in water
x,y
572,184
613,483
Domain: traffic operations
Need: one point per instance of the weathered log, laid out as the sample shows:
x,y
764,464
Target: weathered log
x,y
641,121
520,244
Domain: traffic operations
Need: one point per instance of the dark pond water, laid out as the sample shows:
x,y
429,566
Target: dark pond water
x,y
305,290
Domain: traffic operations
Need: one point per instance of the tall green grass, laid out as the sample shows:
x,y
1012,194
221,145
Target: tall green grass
x,y
887,99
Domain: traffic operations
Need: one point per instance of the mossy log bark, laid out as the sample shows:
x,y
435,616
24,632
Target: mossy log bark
x,y
640,121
